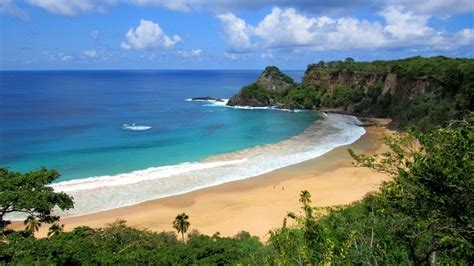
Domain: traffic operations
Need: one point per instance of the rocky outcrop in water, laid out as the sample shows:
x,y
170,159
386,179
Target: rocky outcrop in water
x,y
206,98
260,93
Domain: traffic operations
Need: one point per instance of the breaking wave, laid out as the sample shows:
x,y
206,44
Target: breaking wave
x,y
107,192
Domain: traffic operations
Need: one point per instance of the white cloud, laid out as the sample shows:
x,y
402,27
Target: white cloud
x,y
463,38
72,7
442,8
8,7
350,32
148,36
266,55
152,57
94,34
286,28
402,24
90,54
191,53
236,32
65,57
177,5
231,56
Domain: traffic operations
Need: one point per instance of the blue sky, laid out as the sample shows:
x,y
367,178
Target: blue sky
x,y
224,34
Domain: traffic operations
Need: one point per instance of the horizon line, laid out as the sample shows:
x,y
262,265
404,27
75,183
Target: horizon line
x,y
145,69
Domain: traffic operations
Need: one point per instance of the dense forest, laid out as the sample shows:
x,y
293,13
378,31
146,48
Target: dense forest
x,y
416,91
424,215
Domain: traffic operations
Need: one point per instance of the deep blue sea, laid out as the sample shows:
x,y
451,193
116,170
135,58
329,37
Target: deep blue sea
x,y
72,120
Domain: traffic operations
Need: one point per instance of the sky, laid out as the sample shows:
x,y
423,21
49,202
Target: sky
x,y
225,34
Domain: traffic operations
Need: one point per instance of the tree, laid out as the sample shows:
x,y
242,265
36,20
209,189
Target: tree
x,y
432,193
30,194
55,229
305,197
181,223
32,225
349,60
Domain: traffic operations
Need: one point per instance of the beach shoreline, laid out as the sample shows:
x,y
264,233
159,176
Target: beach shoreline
x,y
256,204
100,193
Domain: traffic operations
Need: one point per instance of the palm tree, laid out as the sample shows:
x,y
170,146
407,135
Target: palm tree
x,y
32,224
305,197
55,229
181,223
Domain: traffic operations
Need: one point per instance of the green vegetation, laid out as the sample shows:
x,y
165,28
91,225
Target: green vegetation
x,y
119,244
425,91
181,224
55,229
300,96
256,91
277,75
424,214
417,91
29,194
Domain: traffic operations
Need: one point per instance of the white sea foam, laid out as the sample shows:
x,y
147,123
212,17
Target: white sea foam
x,y
217,103
107,192
223,103
138,176
266,108
135,127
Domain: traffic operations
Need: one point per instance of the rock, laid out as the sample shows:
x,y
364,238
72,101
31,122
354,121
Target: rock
x,y
239,100
274,80
207,98
262,92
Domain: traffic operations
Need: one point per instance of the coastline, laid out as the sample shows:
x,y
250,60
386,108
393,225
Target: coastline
x,y
101,193
255,204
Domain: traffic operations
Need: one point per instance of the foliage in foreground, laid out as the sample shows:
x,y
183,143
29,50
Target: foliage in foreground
x,y
425,214
120,244
29,194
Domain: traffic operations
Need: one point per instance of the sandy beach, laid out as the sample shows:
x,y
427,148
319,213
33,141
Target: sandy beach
x,y
257,204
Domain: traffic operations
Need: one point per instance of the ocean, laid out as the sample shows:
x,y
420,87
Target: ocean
x,y
123,137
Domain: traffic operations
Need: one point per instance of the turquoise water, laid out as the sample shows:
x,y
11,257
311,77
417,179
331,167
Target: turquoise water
x,y
72,120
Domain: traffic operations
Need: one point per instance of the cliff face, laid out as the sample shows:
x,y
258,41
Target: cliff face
x,y
390,83
365,87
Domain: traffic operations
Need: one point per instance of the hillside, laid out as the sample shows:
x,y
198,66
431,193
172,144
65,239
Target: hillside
x,y
414,91
263,91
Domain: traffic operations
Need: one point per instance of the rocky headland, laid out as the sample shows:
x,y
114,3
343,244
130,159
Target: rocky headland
x,y
426,90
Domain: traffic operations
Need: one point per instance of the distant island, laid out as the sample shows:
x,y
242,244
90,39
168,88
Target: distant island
x,y
415,91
